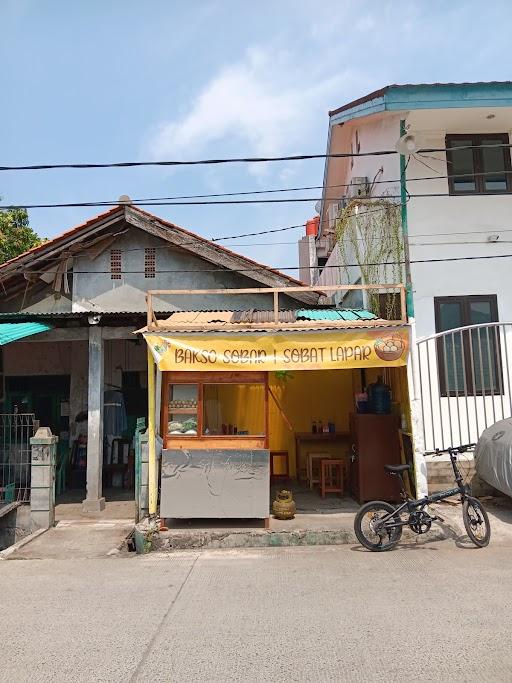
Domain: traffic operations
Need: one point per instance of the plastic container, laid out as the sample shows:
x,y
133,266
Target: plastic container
x,y
379,398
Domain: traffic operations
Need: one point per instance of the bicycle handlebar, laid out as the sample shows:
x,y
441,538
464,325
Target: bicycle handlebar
x,y
451,449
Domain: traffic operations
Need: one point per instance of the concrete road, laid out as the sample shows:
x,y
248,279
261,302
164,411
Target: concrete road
x,y
430,612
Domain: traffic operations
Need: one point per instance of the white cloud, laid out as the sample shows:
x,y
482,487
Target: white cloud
x,y
263,105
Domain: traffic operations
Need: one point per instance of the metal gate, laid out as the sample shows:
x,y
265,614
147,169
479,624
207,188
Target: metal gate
x,y
16,429
465,385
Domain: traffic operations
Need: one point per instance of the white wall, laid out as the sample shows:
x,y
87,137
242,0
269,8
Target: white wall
x,y
453,227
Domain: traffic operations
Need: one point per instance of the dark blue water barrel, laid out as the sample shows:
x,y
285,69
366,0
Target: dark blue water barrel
x,y
379,398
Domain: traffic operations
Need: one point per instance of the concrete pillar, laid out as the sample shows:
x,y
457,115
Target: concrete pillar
x,y
143,494
94,502
42,478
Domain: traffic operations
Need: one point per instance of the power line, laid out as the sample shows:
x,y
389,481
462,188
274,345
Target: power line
x,y
391,181
287,200
274,268
237,160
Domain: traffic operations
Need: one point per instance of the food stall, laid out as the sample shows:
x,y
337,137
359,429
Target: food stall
x,y
233,391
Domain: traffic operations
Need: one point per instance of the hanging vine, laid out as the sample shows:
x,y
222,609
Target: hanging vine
x,y
369,235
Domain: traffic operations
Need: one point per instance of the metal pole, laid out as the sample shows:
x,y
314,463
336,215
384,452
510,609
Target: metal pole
x,y
405,228
151,435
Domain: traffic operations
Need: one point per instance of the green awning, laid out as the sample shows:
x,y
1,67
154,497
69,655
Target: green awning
x,y
11,332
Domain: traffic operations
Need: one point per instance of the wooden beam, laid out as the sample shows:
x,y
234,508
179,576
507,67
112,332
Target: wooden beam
x,y
276,307
271,290
403,304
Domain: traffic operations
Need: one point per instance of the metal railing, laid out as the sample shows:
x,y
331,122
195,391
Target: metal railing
x,y
16,429
465,382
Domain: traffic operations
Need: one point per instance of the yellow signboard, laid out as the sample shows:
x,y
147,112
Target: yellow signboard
x,y
287,351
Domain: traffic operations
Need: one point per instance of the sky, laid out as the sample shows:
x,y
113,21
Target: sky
x,y
126,80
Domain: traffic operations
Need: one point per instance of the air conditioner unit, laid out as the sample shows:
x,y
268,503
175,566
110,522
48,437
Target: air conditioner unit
x,y
334,212
359,187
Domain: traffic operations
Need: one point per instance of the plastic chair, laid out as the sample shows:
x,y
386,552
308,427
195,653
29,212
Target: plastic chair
x,y
9,493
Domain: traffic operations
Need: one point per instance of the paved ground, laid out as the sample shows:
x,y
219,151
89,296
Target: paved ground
x,y
79,539
436,611
120,505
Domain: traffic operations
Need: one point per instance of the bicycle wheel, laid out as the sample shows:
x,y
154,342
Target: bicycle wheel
x,y
476,522
368,531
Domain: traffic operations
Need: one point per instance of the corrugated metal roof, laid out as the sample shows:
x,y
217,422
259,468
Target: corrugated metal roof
x,y
348,314
11,332
182,319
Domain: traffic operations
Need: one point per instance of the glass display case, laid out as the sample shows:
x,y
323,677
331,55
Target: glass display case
x,y
183,400
208,407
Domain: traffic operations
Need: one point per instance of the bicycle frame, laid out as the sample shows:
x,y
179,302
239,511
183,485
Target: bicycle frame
x,y
412,504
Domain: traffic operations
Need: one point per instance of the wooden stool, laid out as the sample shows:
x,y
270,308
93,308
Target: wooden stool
x,y
314,476
283,456
332,475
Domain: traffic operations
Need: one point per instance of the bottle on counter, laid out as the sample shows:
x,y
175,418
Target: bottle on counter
x,y
313,427
320,427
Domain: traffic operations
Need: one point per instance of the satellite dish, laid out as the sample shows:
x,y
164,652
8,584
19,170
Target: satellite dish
x,y
318,206
410,143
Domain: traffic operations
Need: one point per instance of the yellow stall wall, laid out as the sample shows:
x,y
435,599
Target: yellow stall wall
x,y
242,405
329,396
308,395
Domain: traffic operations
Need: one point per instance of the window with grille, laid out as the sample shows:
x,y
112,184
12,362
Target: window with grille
x,y
149,262
115,264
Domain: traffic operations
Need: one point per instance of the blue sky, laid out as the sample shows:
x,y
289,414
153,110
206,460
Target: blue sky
x,y
129,80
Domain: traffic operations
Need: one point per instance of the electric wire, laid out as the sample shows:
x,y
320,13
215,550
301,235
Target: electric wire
x,y
272,268
237,160
148,200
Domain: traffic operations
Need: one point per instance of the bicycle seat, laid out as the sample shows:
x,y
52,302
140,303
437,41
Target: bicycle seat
x,y
397,469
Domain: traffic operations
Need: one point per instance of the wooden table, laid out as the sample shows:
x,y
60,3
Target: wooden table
x,y
323,438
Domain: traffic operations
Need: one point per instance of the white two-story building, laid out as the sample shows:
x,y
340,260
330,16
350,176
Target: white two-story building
x,y
448,197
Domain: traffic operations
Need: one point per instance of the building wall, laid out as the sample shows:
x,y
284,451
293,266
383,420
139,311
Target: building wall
x,y
449,227
99,292
23,359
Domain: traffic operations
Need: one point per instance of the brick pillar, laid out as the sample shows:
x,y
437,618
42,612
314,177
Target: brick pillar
x,y
42,480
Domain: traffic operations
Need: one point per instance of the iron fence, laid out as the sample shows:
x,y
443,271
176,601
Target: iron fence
x,y
16,429
465,383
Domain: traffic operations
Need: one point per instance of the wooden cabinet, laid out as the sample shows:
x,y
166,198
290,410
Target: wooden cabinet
x,y
375,444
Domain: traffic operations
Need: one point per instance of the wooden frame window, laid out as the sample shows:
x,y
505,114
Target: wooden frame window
x,y
215,409
481,170
469,362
